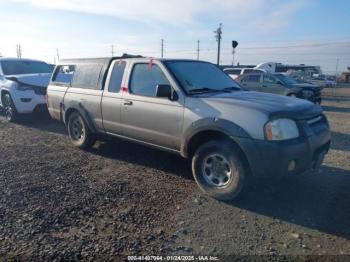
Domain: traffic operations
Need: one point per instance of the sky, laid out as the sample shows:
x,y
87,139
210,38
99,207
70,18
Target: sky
x,y
315,32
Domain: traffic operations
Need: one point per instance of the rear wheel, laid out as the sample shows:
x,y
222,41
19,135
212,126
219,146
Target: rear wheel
x,y
9,108
219,170
79,132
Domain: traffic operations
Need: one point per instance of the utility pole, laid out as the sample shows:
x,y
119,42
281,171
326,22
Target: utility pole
x,y
218,33
19,51
198,50
58,54
336,72
234,45
162,46
112,50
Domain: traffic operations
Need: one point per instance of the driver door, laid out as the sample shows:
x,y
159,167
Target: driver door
x,y
272,85
147,118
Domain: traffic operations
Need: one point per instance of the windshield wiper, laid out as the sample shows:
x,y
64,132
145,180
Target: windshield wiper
x,y
232,88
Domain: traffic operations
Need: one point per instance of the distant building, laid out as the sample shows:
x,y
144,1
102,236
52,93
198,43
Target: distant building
x,y
345,76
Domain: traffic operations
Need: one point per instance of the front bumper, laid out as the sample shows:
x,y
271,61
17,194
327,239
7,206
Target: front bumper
x,y
27,101
272,158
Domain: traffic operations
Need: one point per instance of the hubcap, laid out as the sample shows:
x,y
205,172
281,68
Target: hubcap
x,y
8,107
216,170
77,129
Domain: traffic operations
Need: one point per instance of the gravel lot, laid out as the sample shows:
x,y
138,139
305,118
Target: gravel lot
x,y
124,199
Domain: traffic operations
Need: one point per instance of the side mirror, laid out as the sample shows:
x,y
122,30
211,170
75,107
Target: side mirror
x,y
164,91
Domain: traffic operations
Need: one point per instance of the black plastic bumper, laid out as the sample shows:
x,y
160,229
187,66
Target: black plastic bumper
x,y
271,158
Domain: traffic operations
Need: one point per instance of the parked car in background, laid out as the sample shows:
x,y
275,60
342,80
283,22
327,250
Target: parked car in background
x,y
190,108
323,82
235,72
23,84
281,85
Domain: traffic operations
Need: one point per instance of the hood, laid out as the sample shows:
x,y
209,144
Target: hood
x,y
273,105
32,79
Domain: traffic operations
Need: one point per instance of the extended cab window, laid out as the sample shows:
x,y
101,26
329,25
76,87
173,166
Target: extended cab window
x,y
116,77
145,78
87,76
252,78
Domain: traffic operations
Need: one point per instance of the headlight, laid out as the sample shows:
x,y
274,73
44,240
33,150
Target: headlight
x,y
307,93
23,87
281,129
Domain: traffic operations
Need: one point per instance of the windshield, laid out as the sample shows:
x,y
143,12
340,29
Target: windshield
x,y
16,67
285,79
198,77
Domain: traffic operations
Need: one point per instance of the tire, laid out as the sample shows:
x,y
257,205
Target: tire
x,y
219,170
79,132
9,108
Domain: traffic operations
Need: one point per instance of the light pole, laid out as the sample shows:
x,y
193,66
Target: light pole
x,y
234,45
218,33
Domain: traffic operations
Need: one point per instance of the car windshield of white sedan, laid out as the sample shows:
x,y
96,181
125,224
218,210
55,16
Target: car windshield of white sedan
x,y
24,67
201,77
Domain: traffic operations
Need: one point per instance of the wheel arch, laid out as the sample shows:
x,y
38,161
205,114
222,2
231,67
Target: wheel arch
x,y
84,114
206,130
204,136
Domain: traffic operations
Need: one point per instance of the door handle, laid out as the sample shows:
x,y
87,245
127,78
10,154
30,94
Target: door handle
x,y
128,103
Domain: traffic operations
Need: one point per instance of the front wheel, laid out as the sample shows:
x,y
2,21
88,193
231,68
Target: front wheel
x,y
79,132
219,170
9,108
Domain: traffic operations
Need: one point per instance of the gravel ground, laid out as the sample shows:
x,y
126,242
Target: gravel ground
x,y
124,199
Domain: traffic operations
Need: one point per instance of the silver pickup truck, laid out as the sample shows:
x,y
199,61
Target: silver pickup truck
x,y
194,109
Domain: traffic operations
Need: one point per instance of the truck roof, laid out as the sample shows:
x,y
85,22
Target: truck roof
x,y
108,60
97,60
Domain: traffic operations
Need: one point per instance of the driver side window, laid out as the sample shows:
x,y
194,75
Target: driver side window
x,y
145,78
269,79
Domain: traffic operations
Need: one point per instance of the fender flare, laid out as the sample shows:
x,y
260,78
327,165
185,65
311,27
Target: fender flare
x,y
77,106
211,124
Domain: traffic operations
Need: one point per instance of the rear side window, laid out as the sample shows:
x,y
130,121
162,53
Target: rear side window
x,y
233,71
116,77
63,75
87,76
248,71
144,79
20,67
252,78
